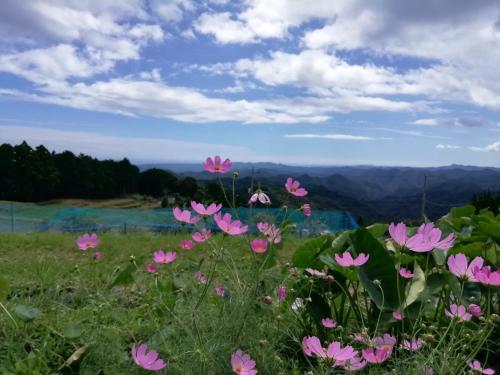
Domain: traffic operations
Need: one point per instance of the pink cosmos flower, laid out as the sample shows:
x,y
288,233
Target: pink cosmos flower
x,y
413,345
219,290
338,354
150,268
306,208
200,276
242,364
259,196
475,365
185,216
458,312
458,265
165,258
314,272
374,355
397,315
354,364
346,260
202,235
206,211
282,294
259,246
311,345
148,361
486,277
385,342
87,241
97,255
475,310
294,188
328,323
406,273
362,337
398,233
186,244
230,227
215,166
427,238
270,231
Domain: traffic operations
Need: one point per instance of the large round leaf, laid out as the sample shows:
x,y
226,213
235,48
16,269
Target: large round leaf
x,y
379,267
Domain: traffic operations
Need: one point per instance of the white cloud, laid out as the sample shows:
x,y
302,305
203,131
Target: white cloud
x,y
470,122
147,98
225,29
494,147
262,19
117,147
459,42
322,73
73,39
336,137
171,10
50,64
447,147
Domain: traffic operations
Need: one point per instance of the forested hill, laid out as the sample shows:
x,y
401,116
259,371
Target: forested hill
x,y
36,174
369,193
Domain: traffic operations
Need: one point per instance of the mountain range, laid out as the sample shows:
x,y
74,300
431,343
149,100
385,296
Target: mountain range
x,y
370,193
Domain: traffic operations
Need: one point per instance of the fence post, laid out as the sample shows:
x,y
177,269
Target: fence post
x,y
12,217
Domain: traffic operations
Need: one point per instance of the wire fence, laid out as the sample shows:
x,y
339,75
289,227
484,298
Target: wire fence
x,y
27,218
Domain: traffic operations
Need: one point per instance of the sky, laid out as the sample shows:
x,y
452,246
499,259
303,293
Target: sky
x,y
333,82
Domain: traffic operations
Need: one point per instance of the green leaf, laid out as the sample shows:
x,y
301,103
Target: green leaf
x,y
318,308
124,277
307,254
472,249
464,211
72,330
4,288
339,241
439,256
416,287
377,230
26,313
491,229
379,267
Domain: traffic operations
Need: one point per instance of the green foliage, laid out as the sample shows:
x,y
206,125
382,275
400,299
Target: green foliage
x,y
26,313
307,255
380,267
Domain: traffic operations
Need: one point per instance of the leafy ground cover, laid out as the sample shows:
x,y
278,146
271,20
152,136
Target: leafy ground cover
x,y
376,300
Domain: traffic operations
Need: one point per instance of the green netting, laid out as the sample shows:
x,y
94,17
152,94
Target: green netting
x,y
24,218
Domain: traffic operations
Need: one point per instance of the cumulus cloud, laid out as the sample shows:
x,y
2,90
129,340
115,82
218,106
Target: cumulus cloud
x,y
262,19
494,147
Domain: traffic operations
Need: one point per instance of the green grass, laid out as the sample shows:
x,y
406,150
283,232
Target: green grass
x,y
77,309
83,325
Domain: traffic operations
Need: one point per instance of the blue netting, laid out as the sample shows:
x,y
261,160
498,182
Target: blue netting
x,y
24,218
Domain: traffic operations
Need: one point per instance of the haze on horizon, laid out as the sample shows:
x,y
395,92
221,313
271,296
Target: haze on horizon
x,y
341,82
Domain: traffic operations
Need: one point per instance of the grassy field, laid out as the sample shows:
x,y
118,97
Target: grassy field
x,y
79,312
63,312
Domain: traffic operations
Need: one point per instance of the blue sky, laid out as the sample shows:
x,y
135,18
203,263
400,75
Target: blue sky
x,y
334,82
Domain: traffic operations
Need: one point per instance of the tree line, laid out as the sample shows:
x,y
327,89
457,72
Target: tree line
x,y
36,174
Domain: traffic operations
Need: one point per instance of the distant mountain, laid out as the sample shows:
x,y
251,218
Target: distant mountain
x,y
370,192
